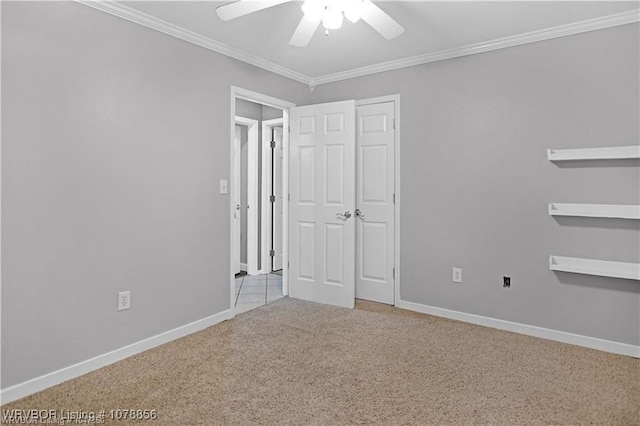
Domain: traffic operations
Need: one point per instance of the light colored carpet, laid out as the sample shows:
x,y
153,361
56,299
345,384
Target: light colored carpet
x,y
300,363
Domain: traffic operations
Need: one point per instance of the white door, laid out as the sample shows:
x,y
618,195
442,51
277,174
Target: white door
x,y
278,205
375,202
236,198
322,191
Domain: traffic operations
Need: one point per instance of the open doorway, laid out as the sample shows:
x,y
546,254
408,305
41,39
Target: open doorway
x,y
319,162
257,200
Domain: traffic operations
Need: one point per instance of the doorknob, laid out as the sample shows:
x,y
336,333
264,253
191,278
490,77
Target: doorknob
x,y
359,214
346,214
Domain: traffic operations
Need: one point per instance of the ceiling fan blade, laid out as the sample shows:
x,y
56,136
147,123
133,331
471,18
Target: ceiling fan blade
x,y
245,7
306,28
380,21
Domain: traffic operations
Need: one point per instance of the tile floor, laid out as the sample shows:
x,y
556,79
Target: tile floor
x,y
257,290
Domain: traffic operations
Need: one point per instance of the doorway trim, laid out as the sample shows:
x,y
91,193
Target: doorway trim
x,y
252,192
267,242
248,95
396,127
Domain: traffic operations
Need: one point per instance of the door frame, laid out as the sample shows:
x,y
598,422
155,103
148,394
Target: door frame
x,y
396,127
267,219
248,95
252,193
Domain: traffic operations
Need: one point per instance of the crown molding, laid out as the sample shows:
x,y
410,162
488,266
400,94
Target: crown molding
x,y
133,15
141,18
608,21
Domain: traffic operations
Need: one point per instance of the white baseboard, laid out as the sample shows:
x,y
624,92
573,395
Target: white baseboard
x,y
32,386
243,267
529,330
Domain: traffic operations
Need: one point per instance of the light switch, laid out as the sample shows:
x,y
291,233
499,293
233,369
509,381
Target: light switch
x,y
224,186
457,275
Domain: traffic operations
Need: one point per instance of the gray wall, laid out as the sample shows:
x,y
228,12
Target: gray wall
x,y
248,109
114,139
269,113
476,181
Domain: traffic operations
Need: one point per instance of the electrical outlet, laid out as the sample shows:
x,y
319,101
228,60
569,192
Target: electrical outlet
x,y
457,275
124,300
506,282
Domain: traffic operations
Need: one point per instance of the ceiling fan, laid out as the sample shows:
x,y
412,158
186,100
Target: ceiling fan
x,y
328,12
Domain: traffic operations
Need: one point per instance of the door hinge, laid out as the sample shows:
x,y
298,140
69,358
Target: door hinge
x,y
288,265
394,273
394,198
394,124
289,197
272,253
273,144
272,198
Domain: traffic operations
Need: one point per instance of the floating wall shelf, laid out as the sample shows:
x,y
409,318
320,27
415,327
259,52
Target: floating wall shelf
x,y
611,153
614,211
603,268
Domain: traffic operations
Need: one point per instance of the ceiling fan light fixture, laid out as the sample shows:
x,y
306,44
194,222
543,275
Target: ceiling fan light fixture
x,y
332,18
331,13
313,9
353,10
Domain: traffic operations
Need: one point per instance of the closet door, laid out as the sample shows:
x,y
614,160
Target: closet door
x,y
278,205
375,202
322,190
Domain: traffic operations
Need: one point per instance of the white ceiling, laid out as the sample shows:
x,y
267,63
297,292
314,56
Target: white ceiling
x,y
430,27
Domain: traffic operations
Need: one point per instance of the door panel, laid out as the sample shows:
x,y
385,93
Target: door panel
x,y
307,251
334,255
373,240
374,179
375,187
322,167
334,175
307,125
334,123
307,175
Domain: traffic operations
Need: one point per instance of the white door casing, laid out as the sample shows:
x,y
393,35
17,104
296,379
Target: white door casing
x,y
278,205
322,191
375,187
